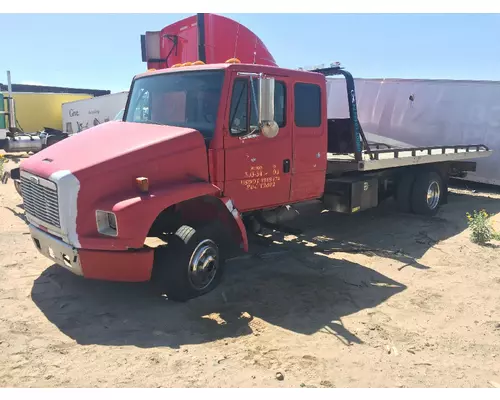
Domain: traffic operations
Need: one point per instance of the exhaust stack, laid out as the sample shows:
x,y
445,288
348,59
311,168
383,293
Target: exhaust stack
x,y
11,106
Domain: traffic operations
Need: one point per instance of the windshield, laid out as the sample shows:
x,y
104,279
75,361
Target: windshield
x,y
184,99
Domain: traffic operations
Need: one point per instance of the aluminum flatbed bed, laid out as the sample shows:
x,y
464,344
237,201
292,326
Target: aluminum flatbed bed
x,y
373,160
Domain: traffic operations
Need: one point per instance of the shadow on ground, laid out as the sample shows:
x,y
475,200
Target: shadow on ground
x,y
283,282
285,292
18,213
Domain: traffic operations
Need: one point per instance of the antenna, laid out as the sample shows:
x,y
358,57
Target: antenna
x,y
255,51
236,41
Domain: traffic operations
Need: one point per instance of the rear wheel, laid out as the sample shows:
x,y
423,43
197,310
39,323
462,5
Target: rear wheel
x,y
427,193
192,263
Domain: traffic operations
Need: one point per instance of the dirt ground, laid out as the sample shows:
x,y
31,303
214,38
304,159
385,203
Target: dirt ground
x,y
383,300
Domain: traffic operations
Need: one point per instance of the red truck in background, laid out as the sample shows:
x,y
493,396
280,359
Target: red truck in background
x,y
209,38
205,153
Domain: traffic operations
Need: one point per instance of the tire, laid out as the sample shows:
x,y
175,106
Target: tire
x,y
404,192
426,182
173,272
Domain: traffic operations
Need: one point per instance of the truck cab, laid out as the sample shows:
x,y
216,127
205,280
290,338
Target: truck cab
x,y
222,103
198,146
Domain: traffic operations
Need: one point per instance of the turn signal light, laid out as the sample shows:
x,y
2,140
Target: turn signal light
x,y
142,184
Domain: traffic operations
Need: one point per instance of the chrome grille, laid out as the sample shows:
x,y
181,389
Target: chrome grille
x,y
40,199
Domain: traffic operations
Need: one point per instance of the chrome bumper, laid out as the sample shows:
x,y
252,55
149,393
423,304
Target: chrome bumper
x,y
58,251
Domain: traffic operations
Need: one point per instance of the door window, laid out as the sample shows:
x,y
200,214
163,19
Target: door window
x,y
307,99
244,102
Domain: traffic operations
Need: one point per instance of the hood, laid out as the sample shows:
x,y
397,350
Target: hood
x,y
110,146
97,168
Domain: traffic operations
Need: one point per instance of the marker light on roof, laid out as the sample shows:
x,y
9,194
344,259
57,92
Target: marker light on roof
x,y
176,65
151,69
187,64
198,63
233,61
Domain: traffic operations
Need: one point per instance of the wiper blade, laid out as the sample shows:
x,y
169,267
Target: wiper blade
x,y
153,123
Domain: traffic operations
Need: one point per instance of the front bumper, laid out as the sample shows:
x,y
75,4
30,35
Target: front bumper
x,y
120,266
55,249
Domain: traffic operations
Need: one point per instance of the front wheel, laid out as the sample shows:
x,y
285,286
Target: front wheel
x,y
192,263
427,193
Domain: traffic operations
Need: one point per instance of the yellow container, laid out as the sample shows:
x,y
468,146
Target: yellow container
x,y
34,111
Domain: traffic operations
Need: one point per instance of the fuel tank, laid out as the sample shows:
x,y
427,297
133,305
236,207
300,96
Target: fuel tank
x,y
23,143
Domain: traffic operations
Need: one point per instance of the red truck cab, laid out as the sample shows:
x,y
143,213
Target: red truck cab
x,y
197,146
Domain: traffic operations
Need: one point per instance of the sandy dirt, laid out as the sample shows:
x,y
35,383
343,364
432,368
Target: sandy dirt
x,y
378,299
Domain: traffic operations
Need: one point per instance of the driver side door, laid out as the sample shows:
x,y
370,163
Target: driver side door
x,y
257,169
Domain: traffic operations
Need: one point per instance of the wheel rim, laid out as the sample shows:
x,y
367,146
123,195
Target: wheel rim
x,y
433,195
203,264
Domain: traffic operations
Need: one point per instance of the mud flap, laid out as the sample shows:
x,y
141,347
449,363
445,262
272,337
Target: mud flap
x,y
239,222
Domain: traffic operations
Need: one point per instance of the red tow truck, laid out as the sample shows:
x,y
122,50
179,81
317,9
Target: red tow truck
x,y
204,150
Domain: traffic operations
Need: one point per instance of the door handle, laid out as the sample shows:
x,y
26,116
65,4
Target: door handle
x,y
286,166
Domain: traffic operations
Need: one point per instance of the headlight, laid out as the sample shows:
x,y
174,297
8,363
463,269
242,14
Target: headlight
x,y
106,223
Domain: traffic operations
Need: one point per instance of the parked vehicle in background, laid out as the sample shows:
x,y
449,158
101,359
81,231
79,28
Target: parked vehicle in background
x,y
15,174
427,112
83,114
207,38
39,110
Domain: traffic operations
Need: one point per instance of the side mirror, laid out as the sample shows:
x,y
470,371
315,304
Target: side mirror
x,y
267,124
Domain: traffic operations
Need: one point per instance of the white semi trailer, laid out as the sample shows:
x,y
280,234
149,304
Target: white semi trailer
x,y
83,114
418,113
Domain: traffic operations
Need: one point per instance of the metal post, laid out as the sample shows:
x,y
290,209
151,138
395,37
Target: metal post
x,y
11,105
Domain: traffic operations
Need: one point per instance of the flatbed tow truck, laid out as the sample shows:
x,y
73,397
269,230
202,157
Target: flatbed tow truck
x,y
220,146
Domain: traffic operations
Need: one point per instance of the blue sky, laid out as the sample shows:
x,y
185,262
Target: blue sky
x,y
103,51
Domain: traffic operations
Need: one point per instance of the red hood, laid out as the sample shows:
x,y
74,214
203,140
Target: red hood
x,y
111,144
106,159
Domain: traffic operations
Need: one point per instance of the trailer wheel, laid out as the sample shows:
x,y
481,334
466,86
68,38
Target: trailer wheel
x,y
427,193
192,263
404,192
